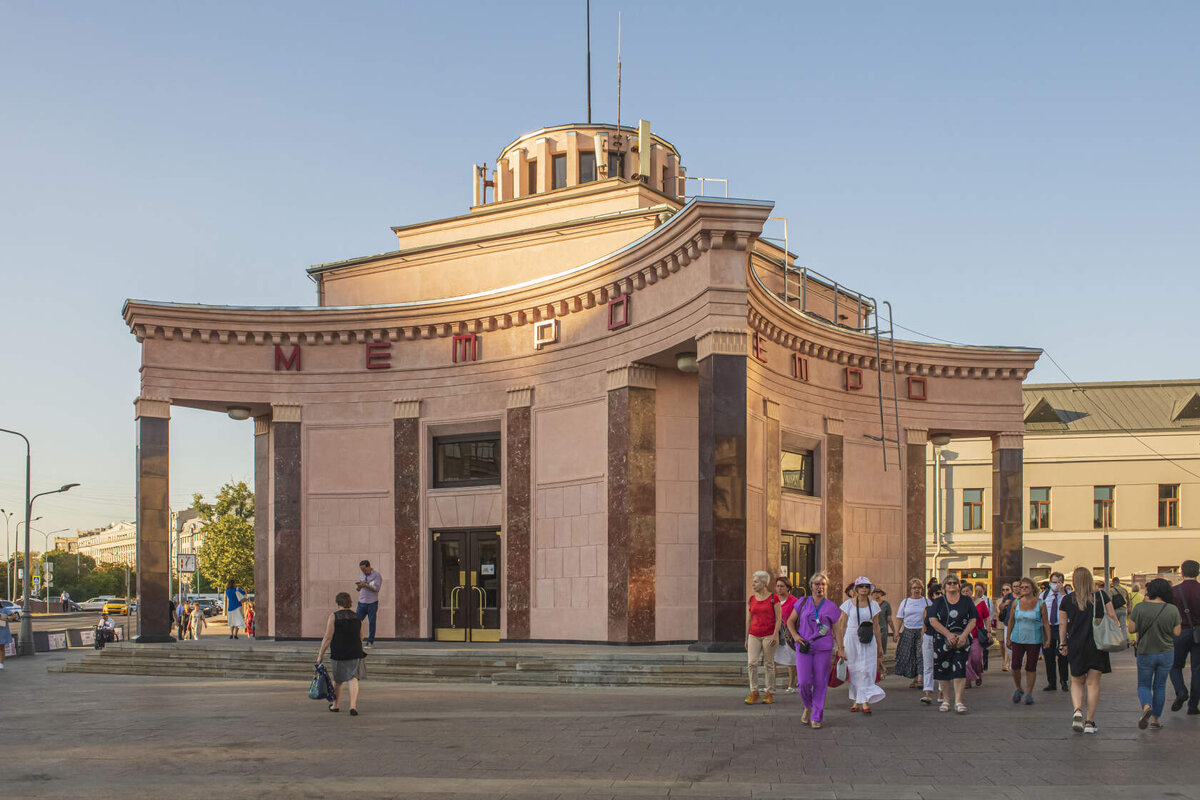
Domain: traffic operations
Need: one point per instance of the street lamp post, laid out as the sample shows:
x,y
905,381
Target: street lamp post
x,y
26,644
16,539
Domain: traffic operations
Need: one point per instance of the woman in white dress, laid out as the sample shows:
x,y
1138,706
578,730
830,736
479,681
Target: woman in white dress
x,y
861,646
199,623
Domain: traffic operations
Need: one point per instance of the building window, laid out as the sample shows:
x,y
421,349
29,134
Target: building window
x,y
559,163
1102,507
972,509
1039,508
668,189
531,174
469,460
616,165
587,166
798,471
1168,505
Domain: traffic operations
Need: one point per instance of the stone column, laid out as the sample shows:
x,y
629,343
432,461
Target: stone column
x,y
721,584
835,531
631,503
773,491
406,501
153,519
518,495
262,528
916,500
1007,509
286,512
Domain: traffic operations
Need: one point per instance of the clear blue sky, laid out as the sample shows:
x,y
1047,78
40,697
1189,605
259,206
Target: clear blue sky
x,y
1004,173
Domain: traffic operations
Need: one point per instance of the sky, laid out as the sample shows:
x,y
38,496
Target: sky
x,y
1015,173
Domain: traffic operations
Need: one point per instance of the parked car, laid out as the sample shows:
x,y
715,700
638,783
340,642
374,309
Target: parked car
x,y
9,607
116,605
209,607
96,603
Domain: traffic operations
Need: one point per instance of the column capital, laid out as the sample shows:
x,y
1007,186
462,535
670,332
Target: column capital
x,y
520,397
635,375
770,409
155,407
407,408
285,412
835,426
916,435
1008,440
721,342
262,426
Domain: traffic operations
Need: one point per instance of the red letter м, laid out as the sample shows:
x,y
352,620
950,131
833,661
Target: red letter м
x,y
288,362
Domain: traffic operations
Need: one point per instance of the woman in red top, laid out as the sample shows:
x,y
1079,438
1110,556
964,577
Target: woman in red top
x,y
785,654
762,635
975,662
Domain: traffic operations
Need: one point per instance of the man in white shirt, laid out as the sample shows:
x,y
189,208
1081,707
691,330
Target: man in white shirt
x,y
1056,662
105,628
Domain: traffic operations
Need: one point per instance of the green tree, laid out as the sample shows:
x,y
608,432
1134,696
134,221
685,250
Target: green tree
x,y
228,528
70,571
105,578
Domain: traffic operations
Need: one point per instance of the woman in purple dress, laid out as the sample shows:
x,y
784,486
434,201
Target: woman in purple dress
x,y
811,625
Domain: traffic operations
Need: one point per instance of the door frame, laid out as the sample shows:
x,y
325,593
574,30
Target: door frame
x,y
470,634
816,554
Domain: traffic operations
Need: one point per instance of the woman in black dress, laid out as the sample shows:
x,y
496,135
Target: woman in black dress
x,y
343,638
1086,661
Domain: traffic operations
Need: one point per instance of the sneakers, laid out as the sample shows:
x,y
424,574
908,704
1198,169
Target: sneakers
x,y
752,698
1017,695
1077,721
1089,727
1144,718
368,644
1028,699
1180,699
768,698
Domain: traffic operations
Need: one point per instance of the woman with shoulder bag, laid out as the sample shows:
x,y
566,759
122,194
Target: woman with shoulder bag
x,y
1157,622
344,640
908,629
861,646
1086,661
811,625
785,653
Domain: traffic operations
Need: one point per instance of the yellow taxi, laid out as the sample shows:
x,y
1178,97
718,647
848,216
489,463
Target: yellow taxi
x,y
116,605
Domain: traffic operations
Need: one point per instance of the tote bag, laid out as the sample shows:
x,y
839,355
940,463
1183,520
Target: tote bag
x,y
1105,630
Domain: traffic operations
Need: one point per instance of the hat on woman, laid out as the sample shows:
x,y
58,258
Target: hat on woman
x,y
862,580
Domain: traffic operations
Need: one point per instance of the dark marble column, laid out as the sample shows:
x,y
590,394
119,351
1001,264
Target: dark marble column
x,y
915,503
1007,507
631,504
518,493
773,450
153,520
835,532
722,583
406,450
286,498
262,528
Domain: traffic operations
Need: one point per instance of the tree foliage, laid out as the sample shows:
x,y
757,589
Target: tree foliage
x,y
228,526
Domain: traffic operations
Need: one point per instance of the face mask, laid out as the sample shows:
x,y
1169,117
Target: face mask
x,y
1054,587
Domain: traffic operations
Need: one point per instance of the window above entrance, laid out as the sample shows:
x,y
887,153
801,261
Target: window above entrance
x,y
471,459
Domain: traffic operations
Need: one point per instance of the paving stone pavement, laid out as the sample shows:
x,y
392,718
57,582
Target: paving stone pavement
x,y
106,736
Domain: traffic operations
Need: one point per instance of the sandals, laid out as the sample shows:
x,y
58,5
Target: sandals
x,y
1077,721
945,706
959,708
926,699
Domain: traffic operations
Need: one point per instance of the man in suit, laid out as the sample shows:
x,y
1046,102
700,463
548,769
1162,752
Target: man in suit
x,y
1056,663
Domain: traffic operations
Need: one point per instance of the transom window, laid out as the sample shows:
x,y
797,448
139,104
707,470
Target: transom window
x,y
1168,505
972,509
469,460
798,471
1039,508
1103,507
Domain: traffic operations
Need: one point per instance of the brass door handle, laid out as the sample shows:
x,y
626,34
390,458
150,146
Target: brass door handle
x,y
454,604
482,602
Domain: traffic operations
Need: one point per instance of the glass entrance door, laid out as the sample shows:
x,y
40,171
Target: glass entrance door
x,y
798,557
466,586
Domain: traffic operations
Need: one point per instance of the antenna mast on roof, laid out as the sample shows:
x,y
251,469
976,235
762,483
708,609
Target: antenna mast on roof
x,y
589,61
618,73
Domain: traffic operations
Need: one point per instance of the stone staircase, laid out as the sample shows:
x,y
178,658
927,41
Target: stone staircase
x,y
527,665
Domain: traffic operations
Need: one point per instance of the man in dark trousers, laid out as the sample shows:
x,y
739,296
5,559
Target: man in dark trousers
x,y
1056,663
1187,600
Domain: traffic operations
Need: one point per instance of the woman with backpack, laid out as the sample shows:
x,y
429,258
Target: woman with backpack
x,y
860,644
1027,631
1156,621
812,624
1079,611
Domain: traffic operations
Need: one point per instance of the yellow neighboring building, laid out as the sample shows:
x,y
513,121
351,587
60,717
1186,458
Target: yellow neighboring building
x,y
1121,458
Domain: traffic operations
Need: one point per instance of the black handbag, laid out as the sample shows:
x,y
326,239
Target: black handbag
x,y
866,630
804,646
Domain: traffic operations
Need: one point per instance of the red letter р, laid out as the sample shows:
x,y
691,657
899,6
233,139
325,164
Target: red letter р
x,y
379,355
286,363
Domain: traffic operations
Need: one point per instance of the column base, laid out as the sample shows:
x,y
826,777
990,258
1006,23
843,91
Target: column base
x,y
717,647
154,638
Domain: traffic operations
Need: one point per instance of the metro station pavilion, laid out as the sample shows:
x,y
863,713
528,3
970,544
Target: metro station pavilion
x,y
589,409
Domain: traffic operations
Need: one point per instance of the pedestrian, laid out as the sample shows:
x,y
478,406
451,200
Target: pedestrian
x,y
977,658
368,584
180,619
928,684
1027,632
199,623
812,624
1187,643
1086,661
785,653
908,630
344,640
1157,622
6,637
65,599
1007,596
249,609
1121,606
861,646
952,617
1135,597
885,616
1057,674
234,597
762,635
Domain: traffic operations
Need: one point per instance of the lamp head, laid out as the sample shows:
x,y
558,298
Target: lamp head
x,y
940,439
68,487
239,413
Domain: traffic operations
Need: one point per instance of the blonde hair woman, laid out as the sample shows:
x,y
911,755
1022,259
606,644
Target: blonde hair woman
x,y
1086,661
909,629
762,635
812,624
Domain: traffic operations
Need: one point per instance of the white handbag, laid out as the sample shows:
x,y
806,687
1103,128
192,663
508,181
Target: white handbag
x,y
1105,630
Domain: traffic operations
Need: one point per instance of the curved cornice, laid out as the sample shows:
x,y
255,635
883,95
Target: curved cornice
x,y
703,224
796,331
